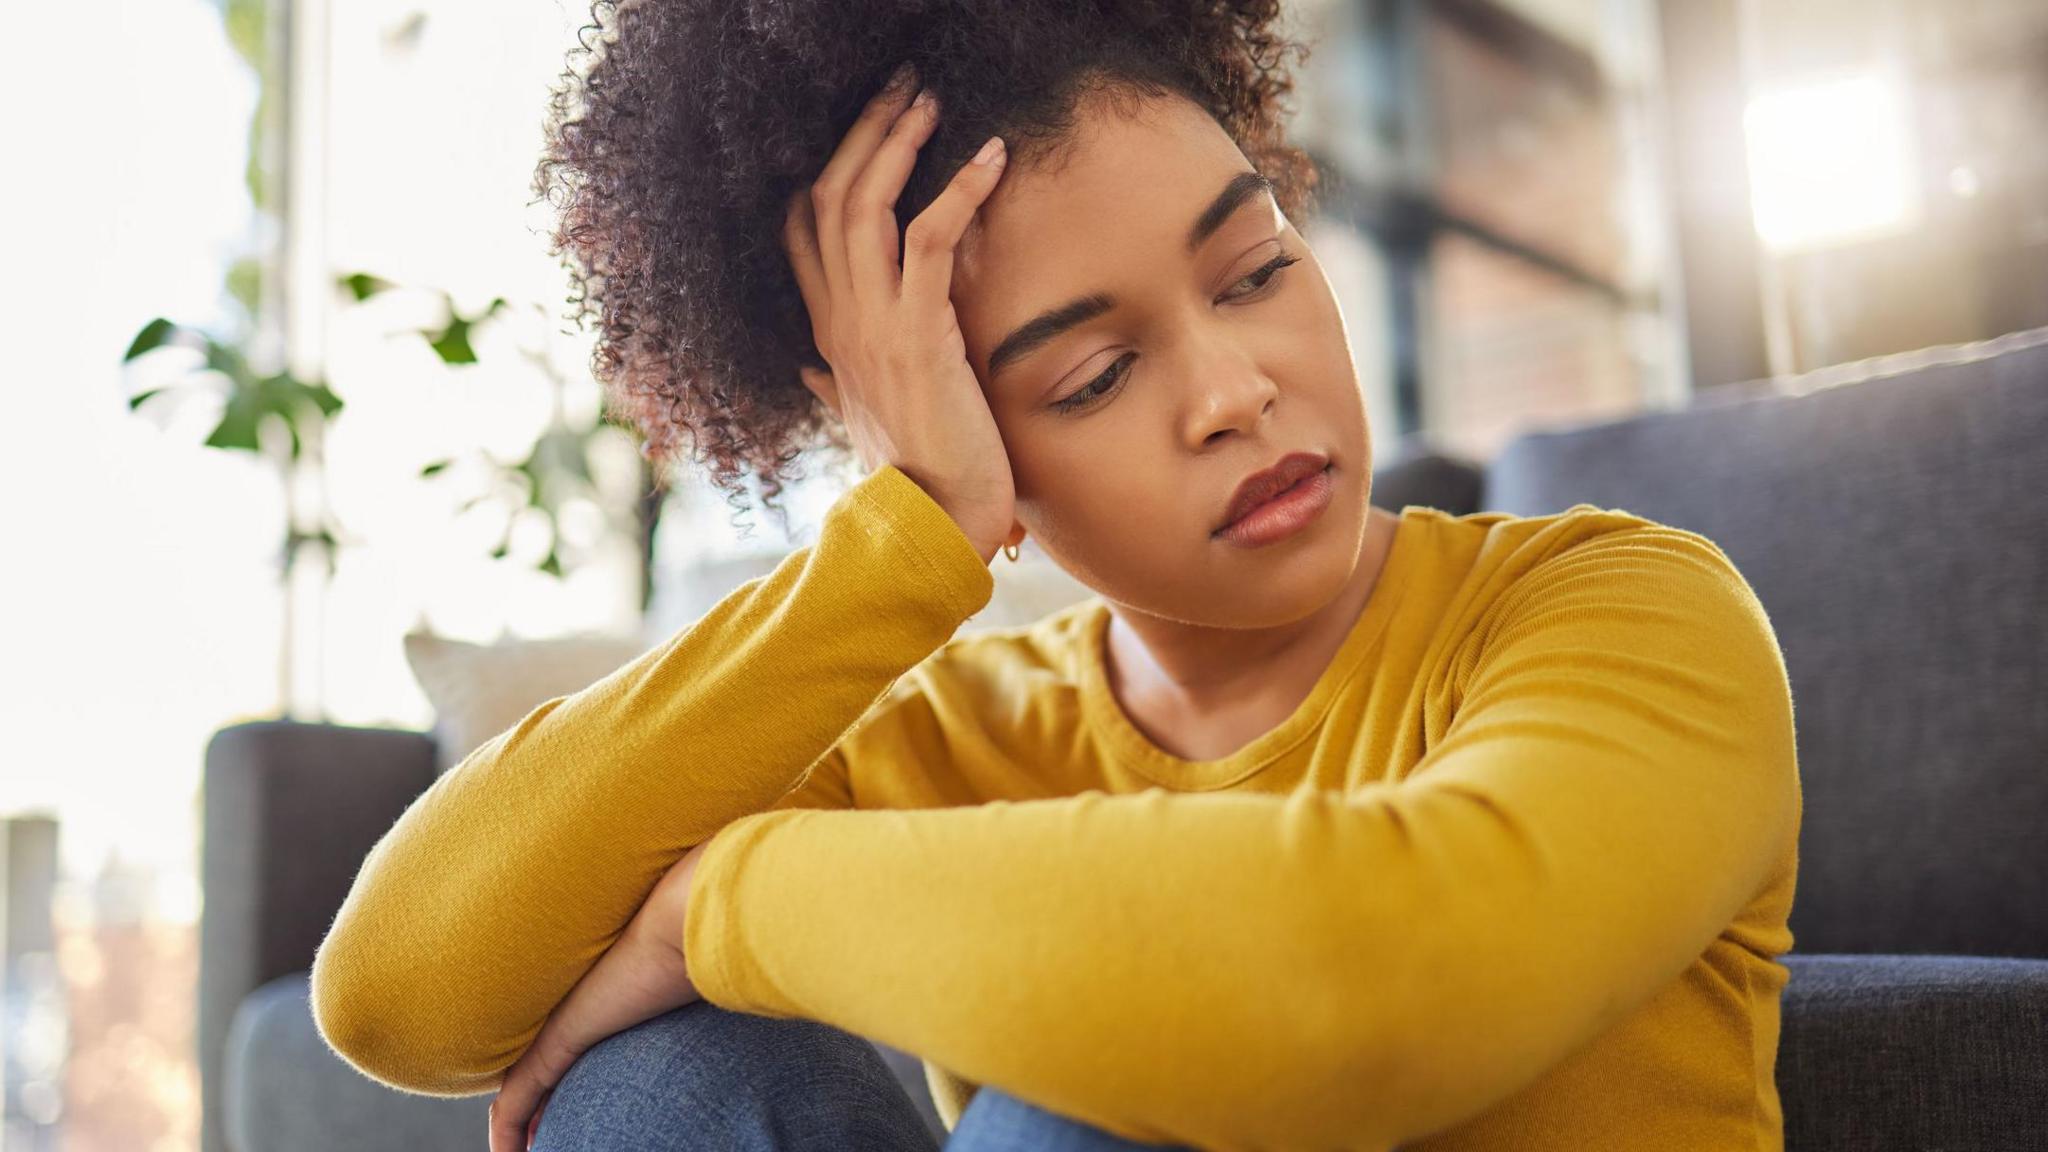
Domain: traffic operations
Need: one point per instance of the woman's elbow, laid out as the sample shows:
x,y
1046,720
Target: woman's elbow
x,y
365,1020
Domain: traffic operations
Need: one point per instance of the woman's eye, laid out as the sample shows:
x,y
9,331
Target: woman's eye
x,y
1264,275
1096,387
1115,373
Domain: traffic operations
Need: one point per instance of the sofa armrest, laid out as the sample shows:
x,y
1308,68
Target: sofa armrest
x,y
285,1090
1882,1053
290,812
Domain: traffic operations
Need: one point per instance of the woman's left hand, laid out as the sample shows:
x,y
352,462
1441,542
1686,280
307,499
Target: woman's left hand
x,y
641,976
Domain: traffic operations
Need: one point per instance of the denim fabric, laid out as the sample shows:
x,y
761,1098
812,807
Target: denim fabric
x,y
705,1078
999,1122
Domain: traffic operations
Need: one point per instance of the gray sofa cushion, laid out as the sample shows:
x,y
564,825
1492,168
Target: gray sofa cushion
x,y
286,1091
1909,1053
1896,531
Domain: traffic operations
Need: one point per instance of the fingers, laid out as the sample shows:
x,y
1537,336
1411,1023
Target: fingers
x,y
515,1111
871,202
840,233
508,1122
929,242
829,191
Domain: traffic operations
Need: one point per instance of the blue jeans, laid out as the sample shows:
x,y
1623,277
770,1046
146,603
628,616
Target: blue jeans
x,y
704,1077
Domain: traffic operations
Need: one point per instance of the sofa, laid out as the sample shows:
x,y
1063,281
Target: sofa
x,y
1893,518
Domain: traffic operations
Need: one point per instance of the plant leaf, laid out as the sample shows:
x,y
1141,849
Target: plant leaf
x,y
362,285
237,427
154,334
452,342
321,395
228,362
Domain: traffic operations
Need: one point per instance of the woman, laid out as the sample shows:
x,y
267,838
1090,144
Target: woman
x,y
1319,827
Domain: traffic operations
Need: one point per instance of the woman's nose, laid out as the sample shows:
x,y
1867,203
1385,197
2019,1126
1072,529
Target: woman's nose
x,y
1230,392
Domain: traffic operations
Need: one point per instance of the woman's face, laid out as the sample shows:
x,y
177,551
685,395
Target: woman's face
x,y
1215,369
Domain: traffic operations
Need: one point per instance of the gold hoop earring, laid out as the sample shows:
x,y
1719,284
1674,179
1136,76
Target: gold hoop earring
x,y
1010,550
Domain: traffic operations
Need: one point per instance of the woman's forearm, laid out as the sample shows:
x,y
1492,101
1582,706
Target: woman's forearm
x,y
503,884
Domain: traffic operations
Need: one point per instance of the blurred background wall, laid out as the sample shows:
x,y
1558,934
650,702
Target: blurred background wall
x,y
285,377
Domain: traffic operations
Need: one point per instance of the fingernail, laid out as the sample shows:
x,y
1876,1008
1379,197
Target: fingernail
x,y
924,97
900,79
990,150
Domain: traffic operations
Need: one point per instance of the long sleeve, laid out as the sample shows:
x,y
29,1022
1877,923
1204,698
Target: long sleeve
x,y
503,883
1318,969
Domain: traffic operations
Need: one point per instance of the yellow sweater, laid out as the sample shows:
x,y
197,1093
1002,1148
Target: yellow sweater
x,y
1515,875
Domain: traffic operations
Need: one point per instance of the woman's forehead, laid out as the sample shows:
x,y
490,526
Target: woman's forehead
x,y
1121,198
1116,177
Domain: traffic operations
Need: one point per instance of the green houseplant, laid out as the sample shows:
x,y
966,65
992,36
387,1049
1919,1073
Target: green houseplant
x,y
281,417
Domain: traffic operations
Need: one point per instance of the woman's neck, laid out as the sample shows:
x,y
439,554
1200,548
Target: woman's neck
x,y
1193,689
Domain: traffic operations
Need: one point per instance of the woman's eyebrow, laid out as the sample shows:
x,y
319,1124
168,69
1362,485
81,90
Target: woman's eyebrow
x,y
1041,328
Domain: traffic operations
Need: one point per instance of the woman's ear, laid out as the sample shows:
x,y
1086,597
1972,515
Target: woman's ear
x,y
823,387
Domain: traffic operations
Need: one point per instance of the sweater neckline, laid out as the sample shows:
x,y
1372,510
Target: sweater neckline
x,y
1135,750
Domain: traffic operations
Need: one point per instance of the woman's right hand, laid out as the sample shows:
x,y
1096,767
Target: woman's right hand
x,y
644,974
900,380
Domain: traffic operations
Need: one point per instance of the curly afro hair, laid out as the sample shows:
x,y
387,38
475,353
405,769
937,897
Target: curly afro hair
x,y
681,128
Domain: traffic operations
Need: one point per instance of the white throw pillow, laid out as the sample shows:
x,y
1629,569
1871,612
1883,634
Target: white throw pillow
x,y
480,690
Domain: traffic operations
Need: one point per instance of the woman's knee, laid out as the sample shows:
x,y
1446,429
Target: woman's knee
x,y
702,1076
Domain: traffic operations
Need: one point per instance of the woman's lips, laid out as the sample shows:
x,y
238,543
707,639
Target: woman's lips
x,y
1283,515
1266,483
